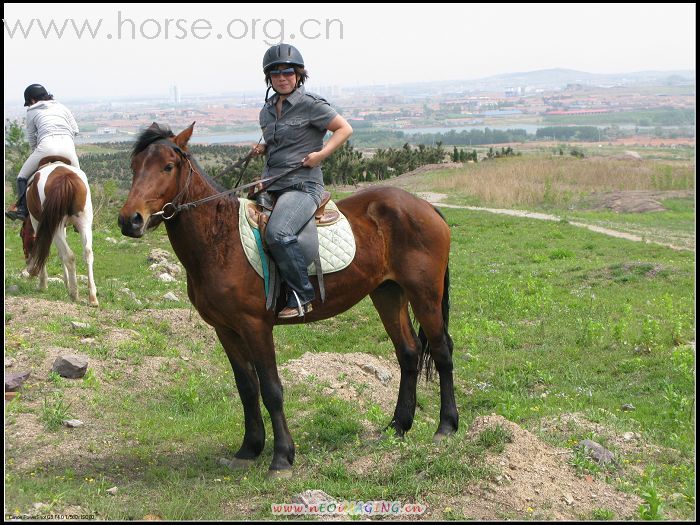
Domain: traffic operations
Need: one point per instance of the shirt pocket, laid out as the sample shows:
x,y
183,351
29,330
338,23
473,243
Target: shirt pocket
x,y
297,122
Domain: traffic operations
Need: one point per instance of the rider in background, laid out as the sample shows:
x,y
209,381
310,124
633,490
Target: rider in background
x,y
294,123
50,131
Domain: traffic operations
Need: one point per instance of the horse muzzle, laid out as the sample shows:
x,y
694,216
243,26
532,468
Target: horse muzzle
x,y
132,225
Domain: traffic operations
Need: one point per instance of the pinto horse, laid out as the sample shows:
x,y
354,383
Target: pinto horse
x,y
58,194
403,246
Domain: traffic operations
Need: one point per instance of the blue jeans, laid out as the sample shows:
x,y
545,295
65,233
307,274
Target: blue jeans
x,y
291,236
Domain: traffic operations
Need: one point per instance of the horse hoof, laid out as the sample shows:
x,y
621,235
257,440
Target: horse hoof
x,y
94,303
279,474
236,463
439,437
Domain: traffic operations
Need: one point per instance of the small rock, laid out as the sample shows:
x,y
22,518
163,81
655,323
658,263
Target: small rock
x,y
629,436
109,239
13,289
71,367
14,381
602,455
73,423
76,325
627,407
166,278
569,499
88,340
112,491
55,280
383,375
158,255
39,505
9,362
83,278
170,296
312,497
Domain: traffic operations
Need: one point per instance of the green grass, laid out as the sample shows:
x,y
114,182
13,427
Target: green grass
x,y
555,319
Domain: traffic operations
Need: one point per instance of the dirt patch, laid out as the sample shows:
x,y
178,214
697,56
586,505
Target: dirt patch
x,y
534,479
356,377
633,201
628,445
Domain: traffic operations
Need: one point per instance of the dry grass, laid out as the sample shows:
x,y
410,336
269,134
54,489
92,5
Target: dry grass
x,y
557,181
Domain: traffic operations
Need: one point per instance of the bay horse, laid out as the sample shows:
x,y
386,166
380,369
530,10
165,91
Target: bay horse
x,y
402,250
58,194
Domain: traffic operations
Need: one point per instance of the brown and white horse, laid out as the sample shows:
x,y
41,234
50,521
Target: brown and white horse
x,y
58,194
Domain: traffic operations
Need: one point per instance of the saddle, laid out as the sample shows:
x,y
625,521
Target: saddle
x,y
259,214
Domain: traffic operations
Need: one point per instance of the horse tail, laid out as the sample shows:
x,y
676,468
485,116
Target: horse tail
x,y
426,361
57,205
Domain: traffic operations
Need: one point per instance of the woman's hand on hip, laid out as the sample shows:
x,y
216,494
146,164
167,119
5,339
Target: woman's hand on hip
x,y
313,159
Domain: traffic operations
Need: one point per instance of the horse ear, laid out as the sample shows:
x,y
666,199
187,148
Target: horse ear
x,y
184,136
154,126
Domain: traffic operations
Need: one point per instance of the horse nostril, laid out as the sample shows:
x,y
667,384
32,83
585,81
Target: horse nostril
x,y
136,220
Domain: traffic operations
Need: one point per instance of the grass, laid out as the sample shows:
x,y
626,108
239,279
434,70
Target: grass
x,y
546,319
549,182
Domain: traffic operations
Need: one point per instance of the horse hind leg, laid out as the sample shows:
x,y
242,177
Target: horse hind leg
x,y
84,226
68,258
428,307
392,305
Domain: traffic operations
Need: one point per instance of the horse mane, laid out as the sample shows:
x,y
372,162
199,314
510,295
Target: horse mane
x,y
149,136
157,132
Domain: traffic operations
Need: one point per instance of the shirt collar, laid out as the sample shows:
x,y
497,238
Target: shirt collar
x,y
293,99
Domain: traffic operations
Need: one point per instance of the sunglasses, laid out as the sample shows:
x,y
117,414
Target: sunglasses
x,y
286,72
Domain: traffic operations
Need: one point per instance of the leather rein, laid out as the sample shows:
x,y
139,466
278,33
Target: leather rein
x,y
171,209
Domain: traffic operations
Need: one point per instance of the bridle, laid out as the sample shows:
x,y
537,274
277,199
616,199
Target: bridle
x,y
171,208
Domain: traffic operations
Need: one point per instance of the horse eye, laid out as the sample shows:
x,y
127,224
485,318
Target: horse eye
x,y
169,167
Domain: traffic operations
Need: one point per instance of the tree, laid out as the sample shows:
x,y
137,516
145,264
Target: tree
x,y
16,148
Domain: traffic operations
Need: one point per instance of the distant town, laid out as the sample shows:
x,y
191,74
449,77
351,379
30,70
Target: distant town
x,y
520,100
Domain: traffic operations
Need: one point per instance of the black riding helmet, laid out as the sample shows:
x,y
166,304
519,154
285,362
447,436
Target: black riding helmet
x,y
34,92
282,54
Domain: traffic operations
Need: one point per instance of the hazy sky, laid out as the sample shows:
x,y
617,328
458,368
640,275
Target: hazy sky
x,y
208,48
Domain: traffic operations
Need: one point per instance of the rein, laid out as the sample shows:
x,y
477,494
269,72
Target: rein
x,y
171,209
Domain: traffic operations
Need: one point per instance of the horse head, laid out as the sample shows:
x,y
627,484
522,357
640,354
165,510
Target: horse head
x,y
160,164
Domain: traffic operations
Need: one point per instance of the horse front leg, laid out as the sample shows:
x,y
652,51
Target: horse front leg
x,y
258,337
68,258
249,390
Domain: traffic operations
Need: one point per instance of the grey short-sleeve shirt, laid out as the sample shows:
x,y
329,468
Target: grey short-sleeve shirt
x,y
298,132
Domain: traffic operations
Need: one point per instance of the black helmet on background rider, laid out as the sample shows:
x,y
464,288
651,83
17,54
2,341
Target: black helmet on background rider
x,y
35,92
282,54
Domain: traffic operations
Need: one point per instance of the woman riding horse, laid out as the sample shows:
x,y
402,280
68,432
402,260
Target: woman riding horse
x,y
294,123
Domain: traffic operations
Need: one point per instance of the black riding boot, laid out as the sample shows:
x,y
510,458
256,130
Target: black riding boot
x,y
20,209
292,266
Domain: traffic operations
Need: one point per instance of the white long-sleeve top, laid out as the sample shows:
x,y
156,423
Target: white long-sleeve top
x,y
49,117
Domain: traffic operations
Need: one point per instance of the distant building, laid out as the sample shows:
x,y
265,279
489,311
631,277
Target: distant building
x,y
106,131
175,94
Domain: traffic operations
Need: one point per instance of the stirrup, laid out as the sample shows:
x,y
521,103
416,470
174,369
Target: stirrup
x,y
289,312
15,215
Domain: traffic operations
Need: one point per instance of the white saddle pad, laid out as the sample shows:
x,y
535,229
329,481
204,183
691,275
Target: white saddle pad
x,y
336,242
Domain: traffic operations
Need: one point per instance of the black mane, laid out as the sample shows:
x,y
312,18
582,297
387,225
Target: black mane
x,y
158,132
149,136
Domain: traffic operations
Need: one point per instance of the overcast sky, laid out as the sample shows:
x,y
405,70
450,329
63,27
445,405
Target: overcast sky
x,y
208,48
